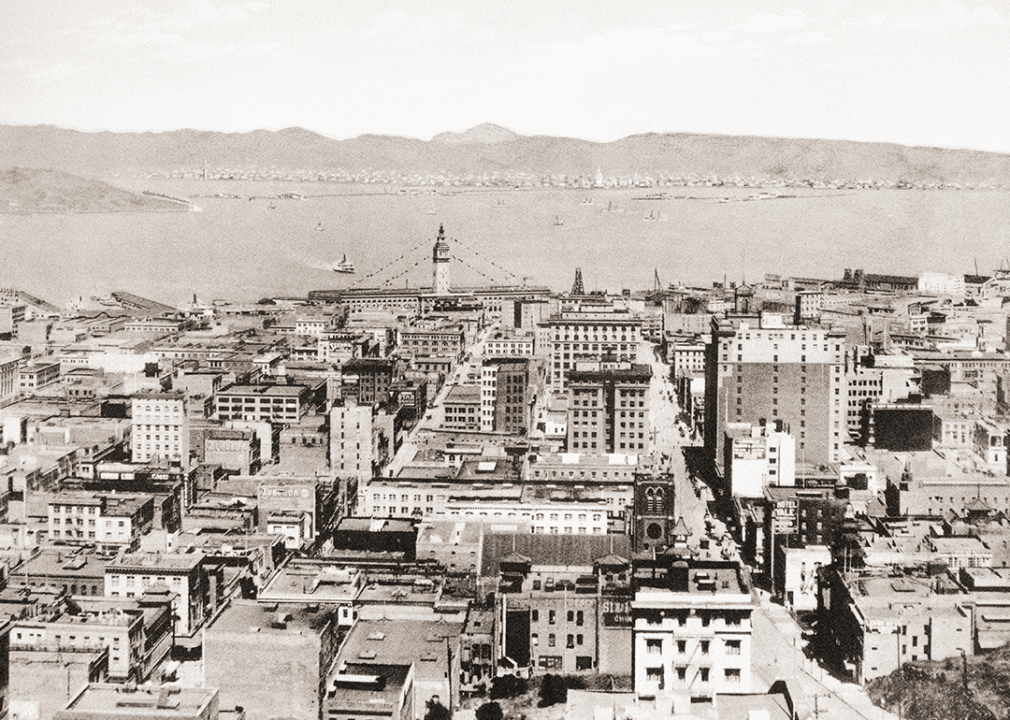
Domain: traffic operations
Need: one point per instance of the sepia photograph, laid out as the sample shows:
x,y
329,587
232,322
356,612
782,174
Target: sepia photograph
x,y
453,360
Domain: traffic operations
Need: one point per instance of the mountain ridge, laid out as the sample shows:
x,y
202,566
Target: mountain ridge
x,y
490,148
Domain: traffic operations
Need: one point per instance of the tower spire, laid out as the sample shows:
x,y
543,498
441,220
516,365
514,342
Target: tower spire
x,y
440,264
577,287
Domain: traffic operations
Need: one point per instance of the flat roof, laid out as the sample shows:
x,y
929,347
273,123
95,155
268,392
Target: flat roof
x,y
113,700
421,642
250,617
269,390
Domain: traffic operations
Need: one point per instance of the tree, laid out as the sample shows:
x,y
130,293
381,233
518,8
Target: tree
x,y
508,686
435,710
553,690
489,711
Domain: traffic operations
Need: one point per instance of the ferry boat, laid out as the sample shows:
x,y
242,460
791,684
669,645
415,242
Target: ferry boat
x,y
344,266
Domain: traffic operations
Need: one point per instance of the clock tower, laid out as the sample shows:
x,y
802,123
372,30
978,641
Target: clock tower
x,y
440,264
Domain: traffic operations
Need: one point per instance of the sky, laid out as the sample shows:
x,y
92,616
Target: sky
x,y
916,72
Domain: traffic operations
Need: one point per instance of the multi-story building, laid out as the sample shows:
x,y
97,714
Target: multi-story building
x,y
570,337
462,407
360,440
608,409
758,456
691,628
506,402
9,376
375,375
197,585
423,340
160,428
121,632
757,367
509,345
273,660
262,403
878,621
112,522
37,375
237,451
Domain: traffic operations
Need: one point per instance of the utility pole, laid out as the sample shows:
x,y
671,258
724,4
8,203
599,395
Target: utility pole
x,y
817,706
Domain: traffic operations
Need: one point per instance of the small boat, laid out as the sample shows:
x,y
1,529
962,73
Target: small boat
x,y
558,220
501,203
195,208
654,216
272,206
611,208
431,211
344,266
319,227
587,201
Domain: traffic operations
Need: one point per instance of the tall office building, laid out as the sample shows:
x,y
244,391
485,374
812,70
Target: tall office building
x,y
506,402
608,409
160,428
757,367
570,337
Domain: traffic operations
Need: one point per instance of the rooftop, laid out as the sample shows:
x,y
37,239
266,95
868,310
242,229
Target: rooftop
x,y
101,700
250,616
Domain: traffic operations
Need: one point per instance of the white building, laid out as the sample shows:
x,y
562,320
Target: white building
x,y
160,429
691,629
352,441
758,456
936,283
9,376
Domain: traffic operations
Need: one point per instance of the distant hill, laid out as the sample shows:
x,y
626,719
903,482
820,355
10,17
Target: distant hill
x,y
493,149
27,190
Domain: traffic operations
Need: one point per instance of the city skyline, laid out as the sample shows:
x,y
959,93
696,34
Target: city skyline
x,y
890,71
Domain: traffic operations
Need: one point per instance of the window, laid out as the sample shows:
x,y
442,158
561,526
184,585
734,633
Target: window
x,y
682,673
732,647
681,646
704,674
551,640
571,642
552,617
704,647
535,614
653,646
655,674
733,675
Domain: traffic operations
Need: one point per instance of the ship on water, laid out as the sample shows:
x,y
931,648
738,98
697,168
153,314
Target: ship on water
x,y
558,220
344,266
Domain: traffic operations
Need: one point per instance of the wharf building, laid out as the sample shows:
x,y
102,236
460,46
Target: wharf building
x,y
494,299
691,628
756,367
608,408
